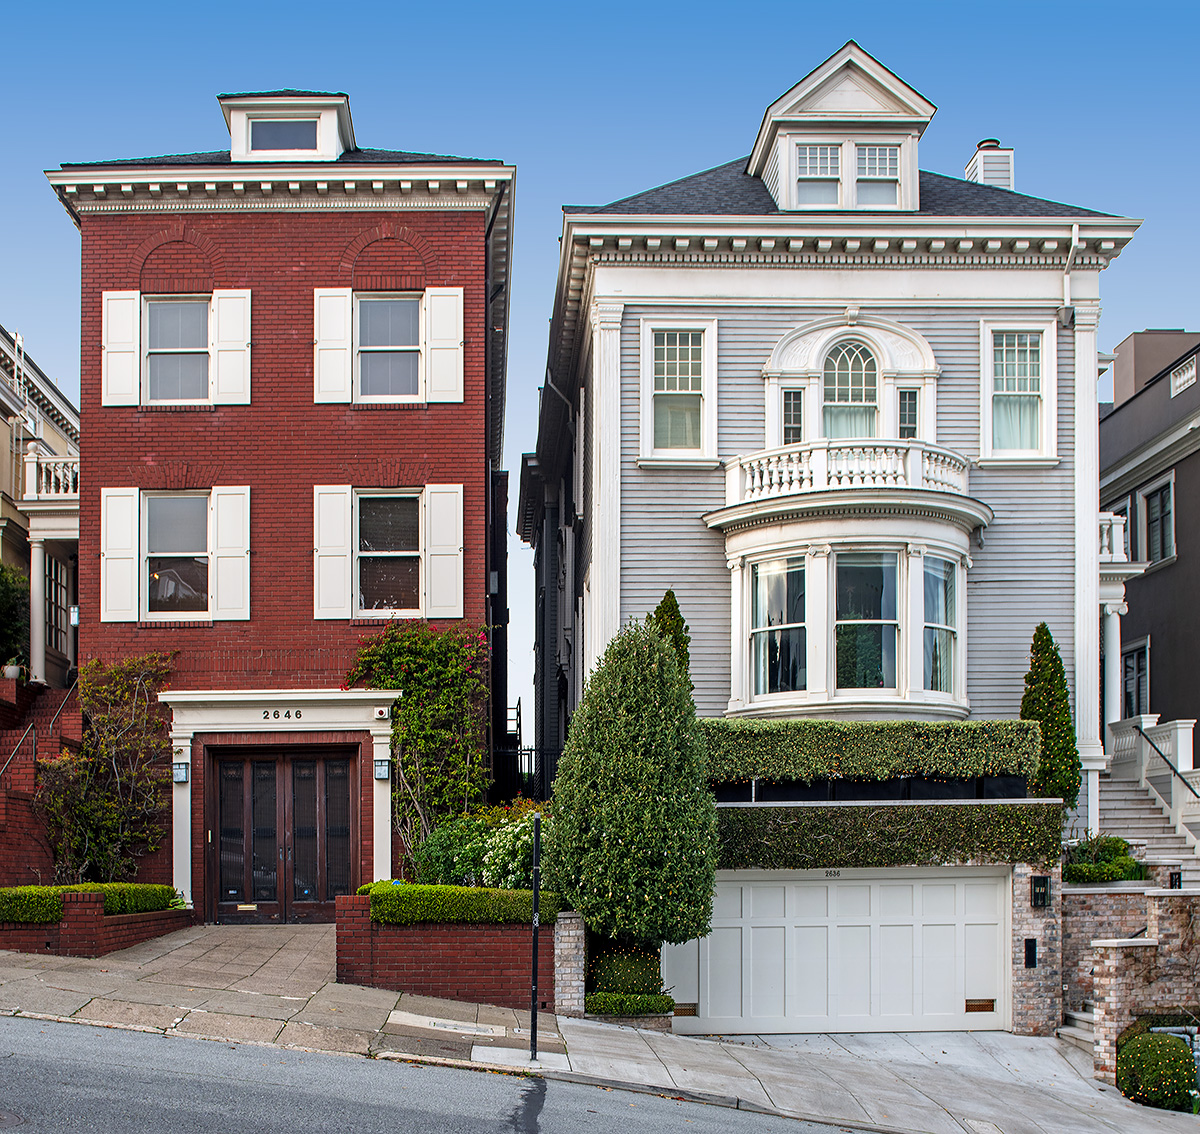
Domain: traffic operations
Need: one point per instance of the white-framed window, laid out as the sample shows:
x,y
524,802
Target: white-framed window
x,y
1135,678
941,624
908,417
388,346
792,415
1156,519
280,135
878,180
174,556
867,619
679,391
388,553
778,635
1183,376
175,349
1018,402
818,174
850,391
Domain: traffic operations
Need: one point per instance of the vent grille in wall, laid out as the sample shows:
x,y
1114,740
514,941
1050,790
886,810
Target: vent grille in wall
x,y
981,1005
687,1009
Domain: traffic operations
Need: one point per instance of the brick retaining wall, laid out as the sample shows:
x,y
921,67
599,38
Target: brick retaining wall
x,y
85,931
1090,913
482,964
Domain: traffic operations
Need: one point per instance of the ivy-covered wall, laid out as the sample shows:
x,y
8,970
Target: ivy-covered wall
x,y
815,837
818,749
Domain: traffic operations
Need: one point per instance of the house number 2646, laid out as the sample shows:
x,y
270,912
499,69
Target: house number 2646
x,y
277,715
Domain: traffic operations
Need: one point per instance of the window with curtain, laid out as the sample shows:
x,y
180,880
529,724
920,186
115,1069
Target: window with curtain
x,y
941,621
867,624
678,389
851,392
778,644
1016,390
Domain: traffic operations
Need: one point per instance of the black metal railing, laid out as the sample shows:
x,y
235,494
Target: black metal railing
x,y
527,772
1167,760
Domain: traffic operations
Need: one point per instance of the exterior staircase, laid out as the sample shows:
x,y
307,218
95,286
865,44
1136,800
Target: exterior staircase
x,y
1127,809
1076,1028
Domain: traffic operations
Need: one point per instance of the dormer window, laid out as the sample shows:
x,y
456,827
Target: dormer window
x,y
283,134
878,175
818,174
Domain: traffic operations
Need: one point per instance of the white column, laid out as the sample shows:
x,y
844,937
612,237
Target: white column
x,y
913,684
606,476
738,636
1112,667
1087,542
37,608
818,619
381,805
181,817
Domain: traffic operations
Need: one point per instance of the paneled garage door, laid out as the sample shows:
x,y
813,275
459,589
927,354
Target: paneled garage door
x,y
848,951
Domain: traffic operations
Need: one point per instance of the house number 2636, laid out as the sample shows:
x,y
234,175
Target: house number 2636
x,y
277,715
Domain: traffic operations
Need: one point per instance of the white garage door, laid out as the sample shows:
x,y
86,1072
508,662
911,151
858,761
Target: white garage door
x,y
848,951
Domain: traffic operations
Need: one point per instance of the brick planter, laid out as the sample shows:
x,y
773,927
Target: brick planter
x,y
482,964
85,931
659,1022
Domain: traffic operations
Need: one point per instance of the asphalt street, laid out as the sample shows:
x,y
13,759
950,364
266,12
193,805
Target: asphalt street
x,y
68,1078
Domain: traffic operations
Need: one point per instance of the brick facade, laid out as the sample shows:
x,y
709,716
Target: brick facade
x,y
482,964
1090,913
570,963
85,931
1037,991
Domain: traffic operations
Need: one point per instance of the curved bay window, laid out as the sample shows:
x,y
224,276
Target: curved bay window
x,y
851,394
940,624
867,623
778,643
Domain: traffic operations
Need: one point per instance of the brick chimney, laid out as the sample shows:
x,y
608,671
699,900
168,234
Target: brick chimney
x,y
992,164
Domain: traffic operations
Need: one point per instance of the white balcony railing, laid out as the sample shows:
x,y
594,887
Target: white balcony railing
x,y
826,466
1112,538
50,478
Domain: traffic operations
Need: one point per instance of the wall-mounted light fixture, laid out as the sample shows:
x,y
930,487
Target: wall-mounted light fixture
x,y
181,772
1041,891
383,769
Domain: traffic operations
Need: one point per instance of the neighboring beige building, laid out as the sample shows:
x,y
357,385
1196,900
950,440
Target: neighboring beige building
x,y
39,430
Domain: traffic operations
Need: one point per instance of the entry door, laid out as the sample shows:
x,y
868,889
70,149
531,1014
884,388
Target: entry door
x,y
285,850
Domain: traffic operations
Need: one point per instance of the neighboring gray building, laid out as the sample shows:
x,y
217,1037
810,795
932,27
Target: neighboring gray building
x,y
831,400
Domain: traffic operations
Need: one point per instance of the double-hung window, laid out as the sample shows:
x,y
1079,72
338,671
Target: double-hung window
x,y
388,347
679,391
867,625
793,417
174,555
175,349
1160,522
778,640
941,624
388,553
907,418
818,175
1016,390
878,181
851,389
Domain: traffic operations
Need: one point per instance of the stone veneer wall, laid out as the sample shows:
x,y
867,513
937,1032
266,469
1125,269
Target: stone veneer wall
x,y
1089,913
1036,992
1154,973
570,961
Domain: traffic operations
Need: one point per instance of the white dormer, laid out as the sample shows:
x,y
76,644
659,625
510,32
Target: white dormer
x,y
844,137
288,125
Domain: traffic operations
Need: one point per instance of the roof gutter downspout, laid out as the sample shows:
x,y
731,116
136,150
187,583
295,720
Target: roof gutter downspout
x,y
1076,245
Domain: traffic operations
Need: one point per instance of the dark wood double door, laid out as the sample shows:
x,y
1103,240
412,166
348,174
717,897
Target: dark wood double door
x,y
284,845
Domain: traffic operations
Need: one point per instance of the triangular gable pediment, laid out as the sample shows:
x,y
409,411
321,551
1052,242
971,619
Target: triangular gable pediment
x,y
850,87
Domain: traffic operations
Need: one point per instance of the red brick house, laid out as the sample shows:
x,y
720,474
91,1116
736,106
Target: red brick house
x,y
293,369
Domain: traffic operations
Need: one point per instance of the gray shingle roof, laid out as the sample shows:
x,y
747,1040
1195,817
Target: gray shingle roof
x,y
285,94
728,191
221,157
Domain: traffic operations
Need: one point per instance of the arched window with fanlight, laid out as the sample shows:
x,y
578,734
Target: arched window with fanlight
x,y
851,401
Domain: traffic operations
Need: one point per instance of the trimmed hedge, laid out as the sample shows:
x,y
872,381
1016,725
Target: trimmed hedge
x,y
407,904
1184,1016
1123,869
628,970
1157,1070
627,1004
44,905
811,838
808,750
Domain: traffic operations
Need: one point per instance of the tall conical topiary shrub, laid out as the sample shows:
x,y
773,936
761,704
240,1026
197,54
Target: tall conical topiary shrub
x,y
635,841
668,619
1047,701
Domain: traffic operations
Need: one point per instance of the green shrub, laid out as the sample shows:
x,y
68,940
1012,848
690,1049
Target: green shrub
x,y
811,838
668,619
403,903
452,855
44,905
627,969
508,858
1102,858
634,841
1157,1070
14,615
1182,1017
816,749
1048,702
626,1004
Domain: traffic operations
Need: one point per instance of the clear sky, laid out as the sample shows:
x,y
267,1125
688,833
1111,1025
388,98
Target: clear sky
x,y
593,102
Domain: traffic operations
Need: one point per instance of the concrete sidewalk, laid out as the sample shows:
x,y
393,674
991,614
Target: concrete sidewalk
x,y
275,984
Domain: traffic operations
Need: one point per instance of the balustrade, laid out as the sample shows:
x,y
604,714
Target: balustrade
x,y
50,478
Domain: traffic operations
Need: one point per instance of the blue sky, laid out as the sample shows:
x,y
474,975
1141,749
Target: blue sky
x,y
594,102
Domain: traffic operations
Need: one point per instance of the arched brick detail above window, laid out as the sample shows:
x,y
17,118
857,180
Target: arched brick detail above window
x,y
176,268
389,265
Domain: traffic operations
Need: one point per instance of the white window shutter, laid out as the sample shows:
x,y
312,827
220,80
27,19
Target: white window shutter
x,y
120,347
332,551
333,323
120,566
444,344
231,347
229,554
444,551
